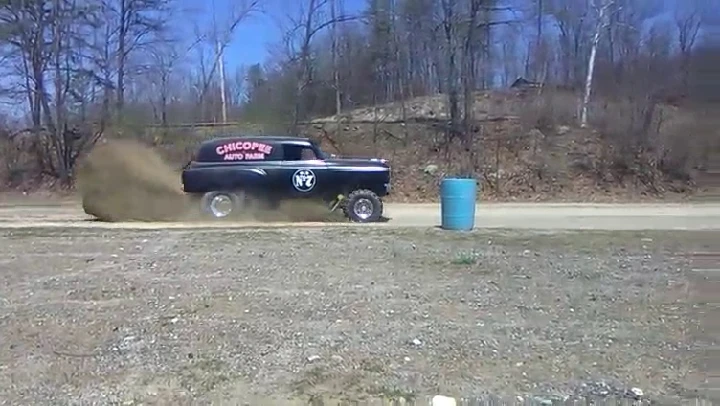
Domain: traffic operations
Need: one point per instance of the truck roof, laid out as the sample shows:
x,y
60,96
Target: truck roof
x,y
246,147
261,138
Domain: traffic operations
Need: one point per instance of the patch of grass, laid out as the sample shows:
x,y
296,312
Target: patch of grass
x,y
204,375
311,378
394,394
465,258
372,365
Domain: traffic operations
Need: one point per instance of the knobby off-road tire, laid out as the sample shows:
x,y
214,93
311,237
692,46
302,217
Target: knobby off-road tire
x,y
363,206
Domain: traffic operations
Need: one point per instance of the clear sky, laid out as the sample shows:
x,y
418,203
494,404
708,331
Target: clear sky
x,y
253,38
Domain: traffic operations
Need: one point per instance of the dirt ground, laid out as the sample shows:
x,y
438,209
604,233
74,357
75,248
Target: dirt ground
x,y
542,216
99,316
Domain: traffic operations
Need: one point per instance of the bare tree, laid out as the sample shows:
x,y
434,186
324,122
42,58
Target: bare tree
x,y
218,37
689,19
311,20
45,37
335,67
450,29
537,55
624,36
601,7
164,63
137,22
572,18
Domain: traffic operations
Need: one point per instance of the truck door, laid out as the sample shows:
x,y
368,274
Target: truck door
x,y
304,174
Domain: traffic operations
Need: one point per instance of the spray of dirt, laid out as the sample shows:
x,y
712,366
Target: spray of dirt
x,y
123,180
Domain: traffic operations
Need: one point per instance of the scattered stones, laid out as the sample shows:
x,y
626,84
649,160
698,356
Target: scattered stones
x,y
431,169
491,315
440,400
602,389
636,393
543,401
537,134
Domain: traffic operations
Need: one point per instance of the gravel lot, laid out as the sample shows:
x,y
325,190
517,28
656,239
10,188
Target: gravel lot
x,y
201,316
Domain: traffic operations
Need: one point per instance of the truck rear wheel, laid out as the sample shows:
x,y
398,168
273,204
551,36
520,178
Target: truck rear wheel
x,y
363,206
221,205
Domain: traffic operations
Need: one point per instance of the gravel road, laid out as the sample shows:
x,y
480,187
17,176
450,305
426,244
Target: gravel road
x,y
496,215
175,317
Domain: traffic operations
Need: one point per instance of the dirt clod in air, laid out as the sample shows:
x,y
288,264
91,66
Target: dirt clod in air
x,y
123,180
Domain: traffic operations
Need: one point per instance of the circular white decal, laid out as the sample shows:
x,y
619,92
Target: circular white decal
x,y
304,180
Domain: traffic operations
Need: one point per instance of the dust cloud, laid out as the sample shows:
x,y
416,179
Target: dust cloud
x,y
124,180
298,211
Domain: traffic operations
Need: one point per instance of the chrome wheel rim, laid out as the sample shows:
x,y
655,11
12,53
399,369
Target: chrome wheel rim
x,y
221,206
363,208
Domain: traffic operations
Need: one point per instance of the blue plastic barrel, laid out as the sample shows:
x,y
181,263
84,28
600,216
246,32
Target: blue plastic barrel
x,y
457,203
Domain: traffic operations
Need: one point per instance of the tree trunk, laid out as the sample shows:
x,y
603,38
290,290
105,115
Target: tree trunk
x,y
591,62
304,70
452,86
336,73
221,67
122,55
58,135
469,81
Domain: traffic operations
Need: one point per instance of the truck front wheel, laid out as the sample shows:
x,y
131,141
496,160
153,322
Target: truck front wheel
x,y
363,206
222,204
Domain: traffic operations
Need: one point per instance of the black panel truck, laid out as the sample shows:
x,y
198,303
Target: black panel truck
x,y
228,174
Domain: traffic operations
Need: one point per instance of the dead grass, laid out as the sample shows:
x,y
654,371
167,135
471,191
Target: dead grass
x,y
528,147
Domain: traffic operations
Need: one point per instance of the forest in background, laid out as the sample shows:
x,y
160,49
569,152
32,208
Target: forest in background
x,y
76,71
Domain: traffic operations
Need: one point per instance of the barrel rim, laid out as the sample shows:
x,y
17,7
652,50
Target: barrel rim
x,y
453,179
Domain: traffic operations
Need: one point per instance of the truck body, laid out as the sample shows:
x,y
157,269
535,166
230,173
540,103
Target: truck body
x,y
280,168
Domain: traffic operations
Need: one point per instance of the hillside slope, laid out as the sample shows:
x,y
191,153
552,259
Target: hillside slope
x,y
526,146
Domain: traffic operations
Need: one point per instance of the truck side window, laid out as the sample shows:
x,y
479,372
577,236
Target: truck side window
x,y
308,154
298,153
